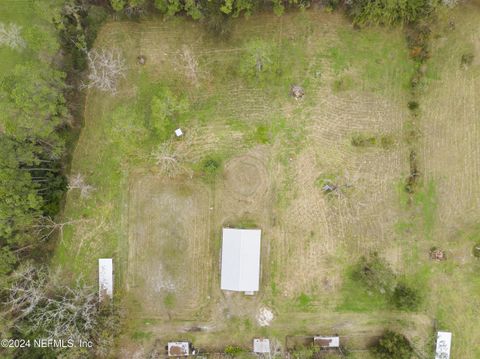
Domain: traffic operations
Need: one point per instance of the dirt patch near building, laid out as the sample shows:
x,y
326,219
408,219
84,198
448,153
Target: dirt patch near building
x,y
169,260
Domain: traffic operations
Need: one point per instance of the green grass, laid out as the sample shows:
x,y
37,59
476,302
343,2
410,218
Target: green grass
x,y
356,298
140,336
425,199
169,301
304,301
378,59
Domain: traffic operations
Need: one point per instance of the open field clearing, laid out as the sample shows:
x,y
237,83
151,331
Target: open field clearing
x,y
174,274
450,156
254,157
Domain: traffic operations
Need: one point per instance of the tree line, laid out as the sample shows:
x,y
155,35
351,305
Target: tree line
x,y
40,98
213,12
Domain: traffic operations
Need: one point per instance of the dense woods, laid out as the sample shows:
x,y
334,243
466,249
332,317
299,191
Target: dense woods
x,y
362,11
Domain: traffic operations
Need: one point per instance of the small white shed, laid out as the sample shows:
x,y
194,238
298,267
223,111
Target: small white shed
x,y
261,346
241,259
444,343
105,278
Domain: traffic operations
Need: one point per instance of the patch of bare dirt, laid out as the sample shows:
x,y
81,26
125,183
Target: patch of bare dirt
x,y
169,261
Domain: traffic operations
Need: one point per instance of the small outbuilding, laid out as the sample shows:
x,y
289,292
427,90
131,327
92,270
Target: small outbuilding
x,y
179,349
105,278
327,342
178,132
444,343
261,346
241,260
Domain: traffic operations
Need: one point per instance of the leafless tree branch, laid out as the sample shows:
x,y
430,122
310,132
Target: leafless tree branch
x,y
46,226
10,35
170,160
78,182
106,67
190,64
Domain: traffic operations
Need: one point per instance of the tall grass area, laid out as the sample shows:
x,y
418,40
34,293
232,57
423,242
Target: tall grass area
x,y
372,60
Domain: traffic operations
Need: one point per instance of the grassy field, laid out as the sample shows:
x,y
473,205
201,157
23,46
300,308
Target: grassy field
x,y
252,155
450,155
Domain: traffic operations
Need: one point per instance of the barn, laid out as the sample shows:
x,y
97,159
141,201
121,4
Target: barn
x,y
241,260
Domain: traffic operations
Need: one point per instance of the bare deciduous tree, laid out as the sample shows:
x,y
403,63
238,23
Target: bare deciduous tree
x,y
27,291
10,36
106,67
59,310
450,3
78,182
172,155
72,314
46,226
168,159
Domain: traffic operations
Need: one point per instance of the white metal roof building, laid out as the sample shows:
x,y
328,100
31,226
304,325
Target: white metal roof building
x,y
105,278
444,343
241,259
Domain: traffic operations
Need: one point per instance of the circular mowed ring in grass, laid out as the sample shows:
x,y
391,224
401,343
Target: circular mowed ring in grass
x,y
245,176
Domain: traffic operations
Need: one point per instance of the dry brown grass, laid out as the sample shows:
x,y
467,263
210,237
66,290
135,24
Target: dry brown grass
x,y
173,226
169,246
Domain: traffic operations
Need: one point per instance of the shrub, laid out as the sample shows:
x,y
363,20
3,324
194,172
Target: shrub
x,y
392,345
209,167
327,179
362,140
387,141
169,7
476,250
118,5
389,12
262,134
467,59
375,273
233,350
405,297
166,108
413,105
309,352
260,62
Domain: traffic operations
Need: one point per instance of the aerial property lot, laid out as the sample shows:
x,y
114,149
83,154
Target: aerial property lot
x,y
321,174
